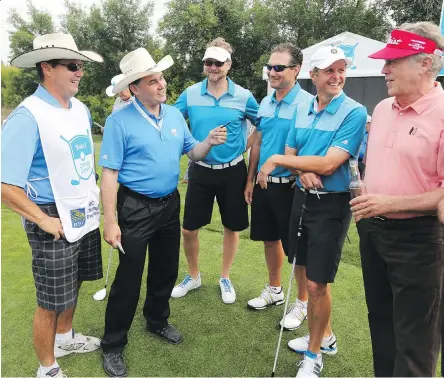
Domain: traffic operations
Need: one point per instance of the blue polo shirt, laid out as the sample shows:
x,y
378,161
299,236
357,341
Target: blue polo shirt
x,y
23,159
274,120
205,112
341,124
148,160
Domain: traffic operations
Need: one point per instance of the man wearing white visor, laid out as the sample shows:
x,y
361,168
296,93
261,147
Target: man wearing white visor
x,y
141,150
222,174
323,135
124,96
48,177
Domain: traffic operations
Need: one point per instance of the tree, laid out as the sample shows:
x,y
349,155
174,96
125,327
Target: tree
x,y
414,10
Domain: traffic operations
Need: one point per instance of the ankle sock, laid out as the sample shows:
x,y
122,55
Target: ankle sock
x,y
276,289
63,338
46,369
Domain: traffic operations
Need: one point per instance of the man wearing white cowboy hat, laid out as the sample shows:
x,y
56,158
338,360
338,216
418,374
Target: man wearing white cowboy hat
x,y
222,174
124,96
324,134
141,151
48,178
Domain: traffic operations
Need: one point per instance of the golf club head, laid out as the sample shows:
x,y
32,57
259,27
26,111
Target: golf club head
x,y
100,295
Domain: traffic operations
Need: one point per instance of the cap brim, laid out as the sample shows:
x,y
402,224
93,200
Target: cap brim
x,y
328,63
29,59
109,91
162,65
392,53
215,56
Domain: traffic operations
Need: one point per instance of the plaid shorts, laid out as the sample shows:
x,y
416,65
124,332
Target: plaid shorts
x,y
58,265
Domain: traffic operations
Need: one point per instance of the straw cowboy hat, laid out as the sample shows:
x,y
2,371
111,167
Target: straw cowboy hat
x,y
53,46
114,81
138,64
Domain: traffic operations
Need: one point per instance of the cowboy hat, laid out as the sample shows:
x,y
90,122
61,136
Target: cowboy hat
x,y
53,46
138,64
114,81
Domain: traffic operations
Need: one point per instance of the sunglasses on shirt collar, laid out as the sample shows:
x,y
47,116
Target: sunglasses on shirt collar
x,y
279,67
73,67
209,63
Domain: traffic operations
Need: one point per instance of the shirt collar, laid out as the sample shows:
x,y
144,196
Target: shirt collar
x,y
204,90
289,97
43,94
420,105
162,112
331,108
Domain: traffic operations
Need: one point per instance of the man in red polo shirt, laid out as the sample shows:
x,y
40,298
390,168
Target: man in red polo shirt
x,y
401,239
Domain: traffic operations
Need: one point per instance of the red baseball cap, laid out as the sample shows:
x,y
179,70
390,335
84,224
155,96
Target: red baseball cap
x,y
402,43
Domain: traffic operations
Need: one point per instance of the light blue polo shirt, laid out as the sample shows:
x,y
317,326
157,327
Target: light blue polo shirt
x,y
205,112
274,120
22,153
341,124
148,160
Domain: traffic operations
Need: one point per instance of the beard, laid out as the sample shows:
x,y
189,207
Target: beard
x,y
215,77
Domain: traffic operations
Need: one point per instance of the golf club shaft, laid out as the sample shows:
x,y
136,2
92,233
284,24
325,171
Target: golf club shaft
x,y
304,206
109,265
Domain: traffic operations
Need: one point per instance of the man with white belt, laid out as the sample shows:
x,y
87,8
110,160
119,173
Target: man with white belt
x,y
222,174
271,208
141,151
48,178
323,135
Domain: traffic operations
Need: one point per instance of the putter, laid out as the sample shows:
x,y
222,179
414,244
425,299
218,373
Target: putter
x,y
101,294
304,208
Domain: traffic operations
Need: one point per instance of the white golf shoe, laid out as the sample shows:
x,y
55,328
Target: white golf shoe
x,y
188,283
295,316
267,298
328,344
78,344
53,373
227,291
310,367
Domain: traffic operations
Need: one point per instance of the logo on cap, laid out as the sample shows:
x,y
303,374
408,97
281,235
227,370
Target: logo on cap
x,y
334,51
393,41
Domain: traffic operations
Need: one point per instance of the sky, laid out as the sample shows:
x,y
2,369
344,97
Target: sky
x,y
55,8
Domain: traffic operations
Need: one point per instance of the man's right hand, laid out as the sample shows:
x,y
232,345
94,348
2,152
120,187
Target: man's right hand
x,y
52,226
441,210
310,180
112,234
248,192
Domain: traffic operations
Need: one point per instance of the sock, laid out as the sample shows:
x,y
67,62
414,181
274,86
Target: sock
x,y
312,355
328,338
276,289
63,338
46,369
302,302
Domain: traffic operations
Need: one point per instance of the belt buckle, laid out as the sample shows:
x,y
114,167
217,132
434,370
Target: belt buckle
x,y
380,219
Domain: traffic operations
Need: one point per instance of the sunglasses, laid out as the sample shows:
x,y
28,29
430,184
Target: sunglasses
x,y
209,63
73,67
279,67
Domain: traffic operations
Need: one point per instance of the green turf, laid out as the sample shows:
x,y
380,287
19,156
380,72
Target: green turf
x,y
219,339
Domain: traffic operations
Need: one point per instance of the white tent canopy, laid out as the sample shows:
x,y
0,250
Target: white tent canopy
x,y
356,47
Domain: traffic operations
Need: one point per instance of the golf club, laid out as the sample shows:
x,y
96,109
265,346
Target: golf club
x,y
303,209
101,294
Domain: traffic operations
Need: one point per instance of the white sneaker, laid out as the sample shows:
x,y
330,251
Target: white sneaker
x,y
53,373
188,283
78,344
295,316
328,344
310,367
227,290
267,298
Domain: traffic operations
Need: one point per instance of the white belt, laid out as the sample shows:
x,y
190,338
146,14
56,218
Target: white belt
x,y
280,180
314,191
221,166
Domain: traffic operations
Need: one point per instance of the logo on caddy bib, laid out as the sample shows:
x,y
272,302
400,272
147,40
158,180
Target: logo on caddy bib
x,y
82,156
78,217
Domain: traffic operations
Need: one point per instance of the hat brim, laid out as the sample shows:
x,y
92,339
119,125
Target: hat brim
x,y
29,59
329,62
392,53
215,56
109,91
162,65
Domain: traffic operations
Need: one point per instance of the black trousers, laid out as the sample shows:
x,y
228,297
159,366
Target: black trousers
x,y
403,268
144,222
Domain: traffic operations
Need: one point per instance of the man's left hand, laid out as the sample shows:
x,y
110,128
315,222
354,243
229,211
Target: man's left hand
x,y
371,205
217,136
268,167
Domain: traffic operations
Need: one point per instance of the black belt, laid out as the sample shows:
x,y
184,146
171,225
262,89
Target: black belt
x,y
132,193
426,220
